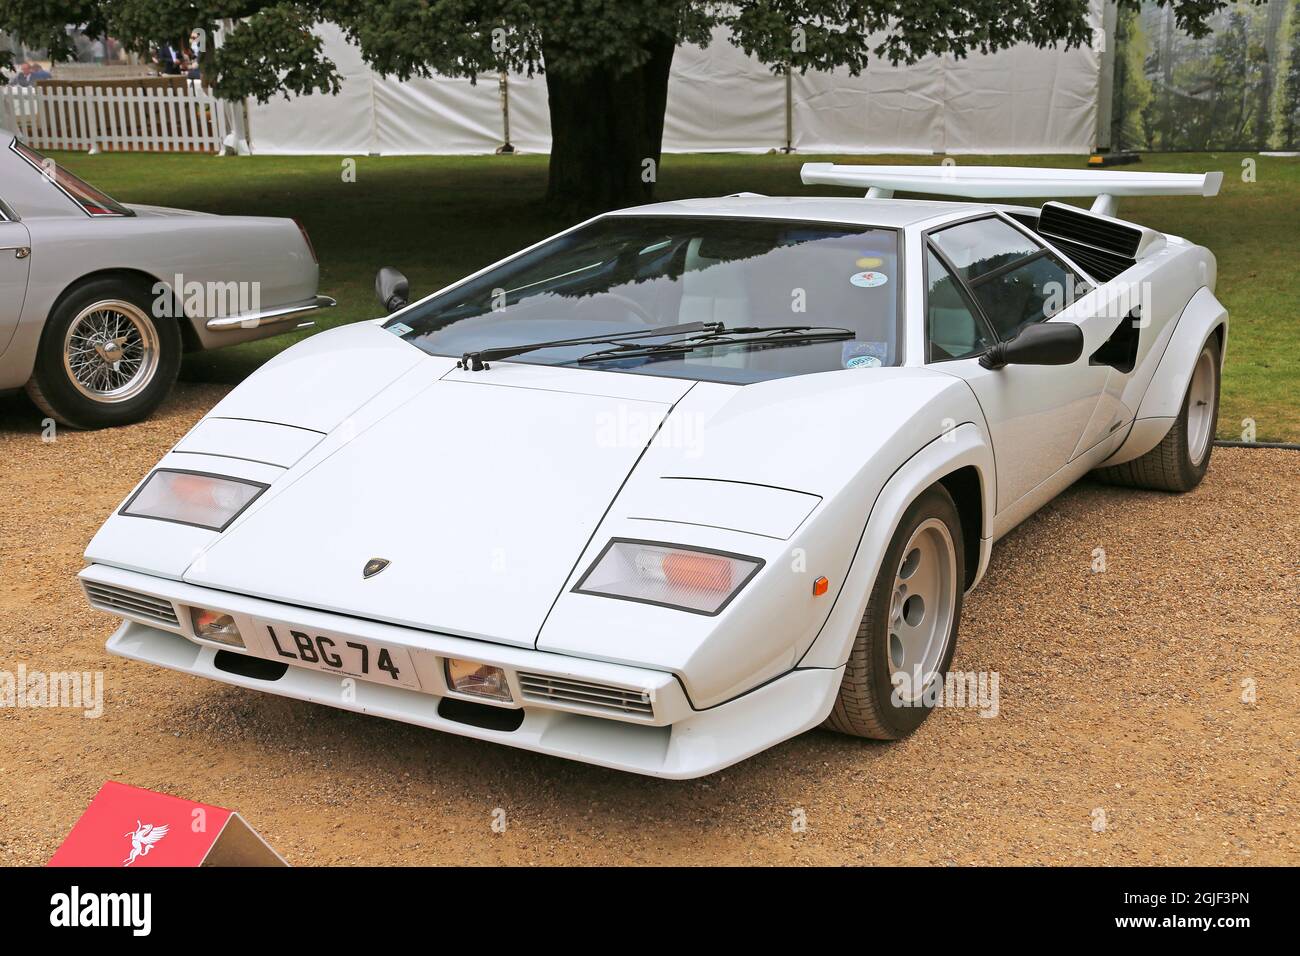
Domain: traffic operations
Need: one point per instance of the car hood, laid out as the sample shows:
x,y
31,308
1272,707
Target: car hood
x,y
481,491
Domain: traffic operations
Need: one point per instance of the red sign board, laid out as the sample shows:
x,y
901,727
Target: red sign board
x,y
129,826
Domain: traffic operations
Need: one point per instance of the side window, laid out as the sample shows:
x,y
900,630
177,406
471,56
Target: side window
x,y
1015,281
982,246
1027,293
952,330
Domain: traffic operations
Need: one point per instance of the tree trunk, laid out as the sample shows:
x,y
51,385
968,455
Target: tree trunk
x,y
607,130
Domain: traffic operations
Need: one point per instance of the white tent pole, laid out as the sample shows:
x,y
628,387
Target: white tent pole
x,y
503,87
238,113
237,110
789,109
374,115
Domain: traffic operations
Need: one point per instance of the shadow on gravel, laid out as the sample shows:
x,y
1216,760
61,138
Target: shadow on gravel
x,y
355,750
18,414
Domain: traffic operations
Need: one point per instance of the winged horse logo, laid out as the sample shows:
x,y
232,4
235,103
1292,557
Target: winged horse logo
x,y
143,839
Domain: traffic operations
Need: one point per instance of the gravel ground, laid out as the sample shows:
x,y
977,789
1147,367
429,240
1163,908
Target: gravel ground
x,y
1120,702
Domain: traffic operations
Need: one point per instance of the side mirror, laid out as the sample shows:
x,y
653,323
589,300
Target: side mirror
x,y
1043,343
392,289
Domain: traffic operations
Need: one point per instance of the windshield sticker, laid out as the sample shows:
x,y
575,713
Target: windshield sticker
x,y
863,354
400,328
869,262
868,279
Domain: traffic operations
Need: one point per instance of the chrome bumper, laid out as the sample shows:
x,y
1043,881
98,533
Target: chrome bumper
x,y
282,313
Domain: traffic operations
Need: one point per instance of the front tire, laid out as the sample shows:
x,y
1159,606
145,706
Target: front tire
x,y
104,359
1181,459
909,632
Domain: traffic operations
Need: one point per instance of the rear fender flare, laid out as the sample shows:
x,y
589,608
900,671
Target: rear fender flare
x,y
1163,401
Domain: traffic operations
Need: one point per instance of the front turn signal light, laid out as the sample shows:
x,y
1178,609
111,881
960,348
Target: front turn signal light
x,y
216,626
478,680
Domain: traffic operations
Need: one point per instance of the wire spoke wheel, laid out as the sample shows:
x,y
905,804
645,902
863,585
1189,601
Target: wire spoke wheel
x,y
921,609
111,351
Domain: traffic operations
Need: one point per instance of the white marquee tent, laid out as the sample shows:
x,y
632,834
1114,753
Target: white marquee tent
x,y
1022,100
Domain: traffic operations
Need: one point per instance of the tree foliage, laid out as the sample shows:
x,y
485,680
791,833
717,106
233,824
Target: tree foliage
x,y
606,62
1290,125
270,49
1132,91
1226,90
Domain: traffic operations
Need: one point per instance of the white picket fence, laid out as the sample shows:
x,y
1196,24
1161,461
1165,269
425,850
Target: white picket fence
x,y
125,119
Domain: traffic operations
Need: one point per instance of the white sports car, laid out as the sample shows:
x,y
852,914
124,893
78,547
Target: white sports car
x,y
683,481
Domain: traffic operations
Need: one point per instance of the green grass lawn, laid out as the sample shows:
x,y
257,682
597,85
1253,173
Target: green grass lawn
x,y
438,218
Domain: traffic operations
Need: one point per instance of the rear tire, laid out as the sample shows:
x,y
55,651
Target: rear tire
x,y
909,627
1181,459
104,359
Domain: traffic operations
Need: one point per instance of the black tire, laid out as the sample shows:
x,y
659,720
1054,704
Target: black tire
x,y
866,706
53,388
1170,466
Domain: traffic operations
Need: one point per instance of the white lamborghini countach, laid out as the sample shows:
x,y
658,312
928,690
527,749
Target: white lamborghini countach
x,y
685,480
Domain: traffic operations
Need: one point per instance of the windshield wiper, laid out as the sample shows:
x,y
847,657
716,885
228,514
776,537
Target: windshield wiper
x,y
477,361
770,335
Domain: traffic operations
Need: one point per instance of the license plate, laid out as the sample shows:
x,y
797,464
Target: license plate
x,y
339,654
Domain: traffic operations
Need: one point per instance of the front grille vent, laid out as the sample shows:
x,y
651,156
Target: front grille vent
x,y
120,601
602,697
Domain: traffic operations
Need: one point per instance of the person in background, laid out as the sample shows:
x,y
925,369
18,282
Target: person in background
x,y
195,56
28,73
168,59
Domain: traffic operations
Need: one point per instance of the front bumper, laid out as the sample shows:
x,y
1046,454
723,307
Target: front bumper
x,y
671,740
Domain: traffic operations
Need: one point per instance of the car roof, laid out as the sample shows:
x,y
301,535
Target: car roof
x,y
890,213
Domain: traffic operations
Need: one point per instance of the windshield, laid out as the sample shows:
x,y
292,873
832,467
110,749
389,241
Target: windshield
x,y
90,199
622,274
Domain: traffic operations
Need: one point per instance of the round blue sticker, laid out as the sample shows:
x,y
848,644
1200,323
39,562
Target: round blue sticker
x,y
868,279
863,361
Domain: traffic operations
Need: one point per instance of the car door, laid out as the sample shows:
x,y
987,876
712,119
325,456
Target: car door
x,y
15,257
987,279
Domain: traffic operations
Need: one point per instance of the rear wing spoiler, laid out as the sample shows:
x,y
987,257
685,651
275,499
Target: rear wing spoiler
x,y
1010,182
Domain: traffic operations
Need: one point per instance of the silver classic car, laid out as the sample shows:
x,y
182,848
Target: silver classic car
x,y
98,300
